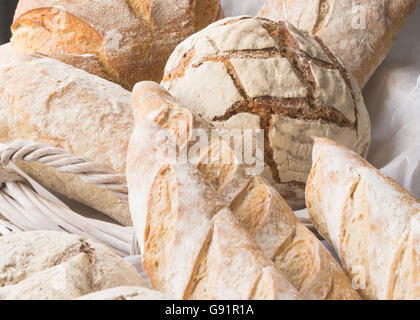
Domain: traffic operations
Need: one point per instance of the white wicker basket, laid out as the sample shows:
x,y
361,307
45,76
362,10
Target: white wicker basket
x,y
26,206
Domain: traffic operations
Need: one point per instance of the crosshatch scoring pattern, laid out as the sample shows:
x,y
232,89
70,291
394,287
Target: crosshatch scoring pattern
x,y
251,73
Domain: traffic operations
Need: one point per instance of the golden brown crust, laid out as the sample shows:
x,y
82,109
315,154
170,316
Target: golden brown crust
x,y
126,41
47,101
192,247
338,24
252,73
295,251
55,265
372,222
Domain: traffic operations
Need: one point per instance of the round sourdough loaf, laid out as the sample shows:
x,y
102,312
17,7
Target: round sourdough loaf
x,y
252,73
124,41
55,265
359,32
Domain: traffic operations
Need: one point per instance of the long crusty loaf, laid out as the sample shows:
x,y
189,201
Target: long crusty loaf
x,y
44,100
55,265
372,222
359,32
122,41
192,247
294,250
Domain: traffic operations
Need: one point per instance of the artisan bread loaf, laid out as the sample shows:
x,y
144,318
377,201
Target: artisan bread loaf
x,y
44,100
251,73
55,265
371,221
359,32
192,247
261,211
126,293
122,41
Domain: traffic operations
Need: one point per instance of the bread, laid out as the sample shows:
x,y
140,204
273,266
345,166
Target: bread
x,y
54,265
293,249
44,100
122,41
126,293
192,247
371,221
251,73
359,32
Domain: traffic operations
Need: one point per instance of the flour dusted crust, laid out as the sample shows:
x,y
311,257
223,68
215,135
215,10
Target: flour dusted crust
x,y
288,84
339,23
371,221
287,132
126,293
55,265
122,41
278,74
191,247
261,211
47,101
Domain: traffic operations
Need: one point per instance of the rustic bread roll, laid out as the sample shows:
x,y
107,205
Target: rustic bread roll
x,y
44,100
251,73
359,32
371,221
122,41
55,265
293,249
192,247
126,293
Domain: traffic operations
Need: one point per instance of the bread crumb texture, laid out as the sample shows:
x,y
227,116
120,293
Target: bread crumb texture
x,y
124,41
248,73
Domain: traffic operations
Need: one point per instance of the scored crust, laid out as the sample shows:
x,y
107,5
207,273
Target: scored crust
x,y
191,246
122,41
372,222
290,81
260,210
359,32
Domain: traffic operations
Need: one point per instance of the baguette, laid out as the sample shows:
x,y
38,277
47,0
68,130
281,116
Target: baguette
x,y
122,41
359,32
294,250
55,265
371,221
44,100
191,246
